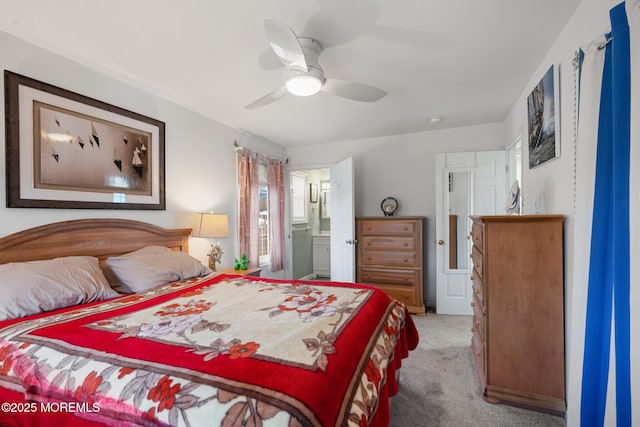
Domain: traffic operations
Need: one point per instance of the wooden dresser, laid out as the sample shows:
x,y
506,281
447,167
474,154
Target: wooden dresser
x,y
389,256
518,305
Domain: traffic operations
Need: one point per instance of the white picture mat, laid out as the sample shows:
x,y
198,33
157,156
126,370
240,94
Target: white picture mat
x,y
28,190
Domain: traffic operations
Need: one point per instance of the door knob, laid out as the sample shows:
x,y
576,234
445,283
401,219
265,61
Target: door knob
x,y
441,242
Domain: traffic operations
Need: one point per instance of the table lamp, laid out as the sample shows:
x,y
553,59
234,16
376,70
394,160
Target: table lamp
x,y
210,226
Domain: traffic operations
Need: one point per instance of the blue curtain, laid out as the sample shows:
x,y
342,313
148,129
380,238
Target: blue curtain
x,y
609,279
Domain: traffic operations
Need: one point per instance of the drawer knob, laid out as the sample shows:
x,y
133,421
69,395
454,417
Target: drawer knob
x,y
368,258
406,260
405,228
368,228
406,278
368,243
405,244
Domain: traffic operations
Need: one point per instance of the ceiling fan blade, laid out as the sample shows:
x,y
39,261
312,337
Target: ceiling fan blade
x,y
352,90
267,99
285,44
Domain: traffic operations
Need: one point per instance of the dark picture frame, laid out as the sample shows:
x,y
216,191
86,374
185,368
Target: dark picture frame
x,y
543,118
69,151
313,193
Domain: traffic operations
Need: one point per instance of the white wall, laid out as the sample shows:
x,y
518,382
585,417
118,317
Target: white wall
x,y
200,157
402,166
554,184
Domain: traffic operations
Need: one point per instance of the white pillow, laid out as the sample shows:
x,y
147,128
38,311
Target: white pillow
x,y
37,286
152,266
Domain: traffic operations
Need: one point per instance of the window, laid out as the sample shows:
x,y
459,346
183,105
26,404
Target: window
x,y
298,198
263,218
261,209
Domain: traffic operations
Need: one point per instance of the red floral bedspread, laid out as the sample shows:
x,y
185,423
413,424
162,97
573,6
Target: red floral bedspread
x,y
226,350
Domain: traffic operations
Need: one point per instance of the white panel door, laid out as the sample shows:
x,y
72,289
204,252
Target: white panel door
x,y
452,291
490,183
342,214
483,173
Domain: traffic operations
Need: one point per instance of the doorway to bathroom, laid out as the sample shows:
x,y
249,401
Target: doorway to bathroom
x,y
310,199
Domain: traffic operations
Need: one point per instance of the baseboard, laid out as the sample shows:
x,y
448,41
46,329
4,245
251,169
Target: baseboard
x,y
313,276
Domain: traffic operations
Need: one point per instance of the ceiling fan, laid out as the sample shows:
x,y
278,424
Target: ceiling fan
x,y
303,75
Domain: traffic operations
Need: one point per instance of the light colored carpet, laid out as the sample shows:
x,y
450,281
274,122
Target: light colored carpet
x,y
439,385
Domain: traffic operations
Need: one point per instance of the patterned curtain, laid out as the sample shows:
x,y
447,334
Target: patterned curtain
x,y
275,177
249,206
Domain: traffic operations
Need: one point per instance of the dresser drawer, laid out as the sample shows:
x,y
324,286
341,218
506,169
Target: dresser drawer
x,y
477,346
399,227
477,261
388,243
478,289
477,234
389,258
388,277
403,294
478,319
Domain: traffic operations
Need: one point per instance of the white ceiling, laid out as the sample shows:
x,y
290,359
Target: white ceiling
x,y
464,60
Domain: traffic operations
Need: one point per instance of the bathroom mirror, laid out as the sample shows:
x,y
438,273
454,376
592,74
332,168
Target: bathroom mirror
x,y
459,224
325,197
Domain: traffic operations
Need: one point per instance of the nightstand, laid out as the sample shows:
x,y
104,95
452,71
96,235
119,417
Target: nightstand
x,y
248,272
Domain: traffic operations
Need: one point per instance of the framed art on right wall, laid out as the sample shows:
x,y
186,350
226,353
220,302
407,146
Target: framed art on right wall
x,y
543,118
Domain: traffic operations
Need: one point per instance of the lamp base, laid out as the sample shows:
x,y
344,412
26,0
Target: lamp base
x,y
215,255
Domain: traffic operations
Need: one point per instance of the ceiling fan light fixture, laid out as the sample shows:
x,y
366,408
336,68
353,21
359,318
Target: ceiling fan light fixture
x,y
303,75
303,85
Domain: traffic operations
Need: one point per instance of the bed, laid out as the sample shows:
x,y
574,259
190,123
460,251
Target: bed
x,y
208,350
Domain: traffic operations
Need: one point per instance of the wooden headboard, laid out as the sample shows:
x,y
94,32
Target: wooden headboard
x,y
100,238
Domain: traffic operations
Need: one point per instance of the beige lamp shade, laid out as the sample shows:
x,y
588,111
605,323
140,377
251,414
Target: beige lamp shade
x,y
211,225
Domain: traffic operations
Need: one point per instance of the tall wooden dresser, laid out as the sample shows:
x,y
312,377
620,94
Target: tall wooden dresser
x,y
518,305
389,256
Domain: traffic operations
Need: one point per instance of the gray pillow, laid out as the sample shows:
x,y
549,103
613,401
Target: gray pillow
x,y
37,286
152,266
